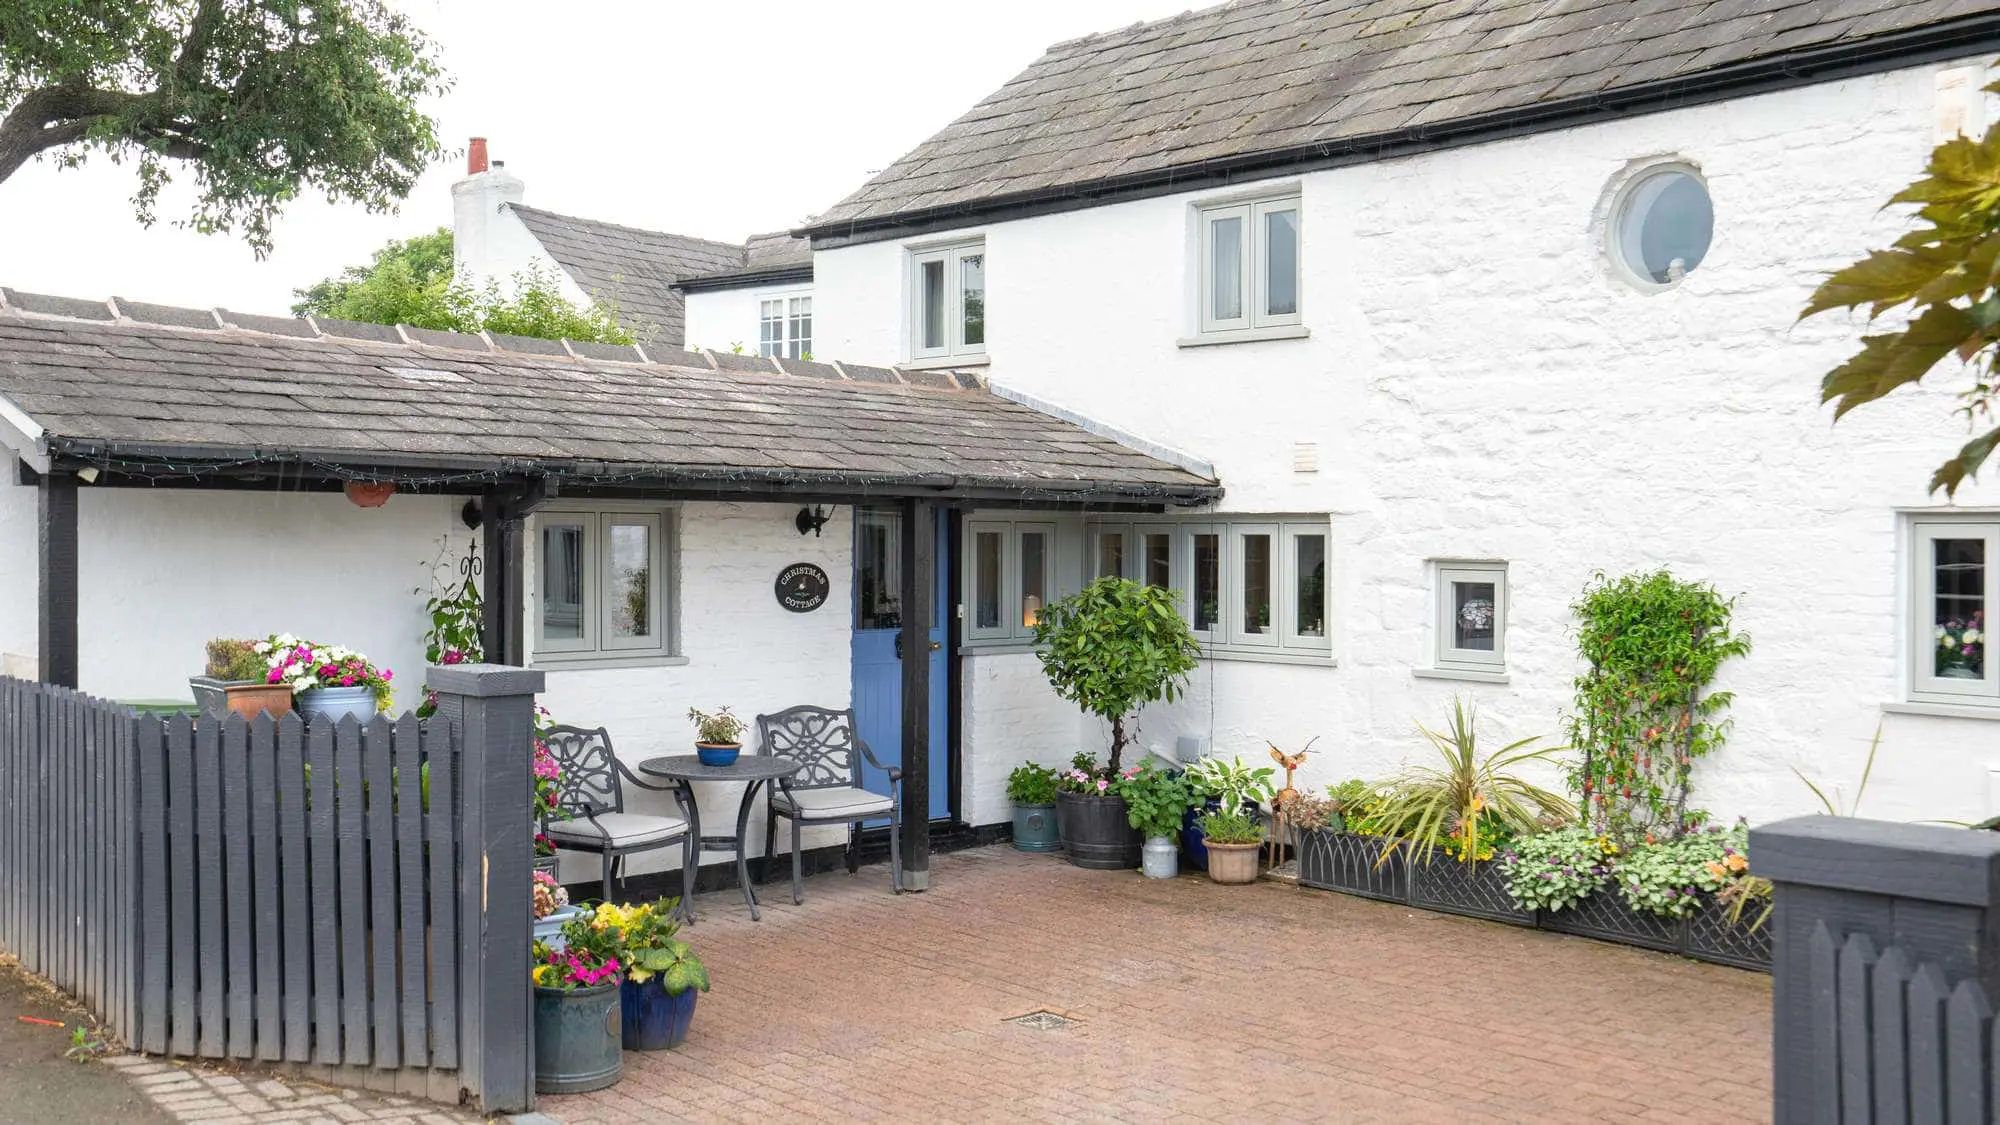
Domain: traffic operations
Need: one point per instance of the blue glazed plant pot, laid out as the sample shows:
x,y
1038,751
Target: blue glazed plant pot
x,y
577,1039
654,1019
336,703
717,755
1035,829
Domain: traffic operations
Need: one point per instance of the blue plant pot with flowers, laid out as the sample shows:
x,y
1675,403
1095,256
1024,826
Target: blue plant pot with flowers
x,y
655,1019
336,703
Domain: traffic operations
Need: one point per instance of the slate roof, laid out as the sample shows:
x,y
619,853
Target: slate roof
x,y
636,269
1182,98
766,257
120,379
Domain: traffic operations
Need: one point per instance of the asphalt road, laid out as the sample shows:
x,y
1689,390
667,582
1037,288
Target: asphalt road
x,y
37,1084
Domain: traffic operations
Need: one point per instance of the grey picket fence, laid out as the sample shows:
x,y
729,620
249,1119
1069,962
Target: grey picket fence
x,y
273,890
1893,1040
69,909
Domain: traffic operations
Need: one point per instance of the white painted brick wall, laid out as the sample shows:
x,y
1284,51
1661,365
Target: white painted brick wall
x,y
1480,386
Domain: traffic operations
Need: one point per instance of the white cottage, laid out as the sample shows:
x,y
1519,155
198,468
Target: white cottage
x,y
1423,314
1464,302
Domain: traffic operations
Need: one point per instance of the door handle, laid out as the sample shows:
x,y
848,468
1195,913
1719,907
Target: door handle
x,y
935,645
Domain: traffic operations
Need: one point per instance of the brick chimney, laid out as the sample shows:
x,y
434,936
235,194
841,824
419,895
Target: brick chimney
x,y
475,156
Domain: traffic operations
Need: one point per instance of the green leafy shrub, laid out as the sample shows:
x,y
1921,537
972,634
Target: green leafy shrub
x,y
235,660
1155,800
1556,870
1032,784
1231,782
1350,802
1669,877
1643,711
1231,826
1113,647
717,728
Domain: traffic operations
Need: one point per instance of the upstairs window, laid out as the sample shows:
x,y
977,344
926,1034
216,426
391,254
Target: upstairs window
x,y
948,302
785,327
1249,276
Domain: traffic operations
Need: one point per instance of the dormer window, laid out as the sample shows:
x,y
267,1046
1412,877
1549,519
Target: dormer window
x,y
948,301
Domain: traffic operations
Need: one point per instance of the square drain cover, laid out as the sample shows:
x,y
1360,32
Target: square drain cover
x,y
1041,1019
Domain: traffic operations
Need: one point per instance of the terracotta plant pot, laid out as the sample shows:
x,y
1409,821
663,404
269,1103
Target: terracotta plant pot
x,y
1232,863
252,700
369,494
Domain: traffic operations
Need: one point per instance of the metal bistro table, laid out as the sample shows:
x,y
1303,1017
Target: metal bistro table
x,y
751,769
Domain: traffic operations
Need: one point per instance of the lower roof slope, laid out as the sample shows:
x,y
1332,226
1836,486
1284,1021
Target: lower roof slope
x,y
125,385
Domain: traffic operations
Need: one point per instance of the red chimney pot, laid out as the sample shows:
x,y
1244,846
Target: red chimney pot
x,y
475,156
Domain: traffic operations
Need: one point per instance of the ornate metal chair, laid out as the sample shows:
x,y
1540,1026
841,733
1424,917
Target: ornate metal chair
x,y
592,792
827,789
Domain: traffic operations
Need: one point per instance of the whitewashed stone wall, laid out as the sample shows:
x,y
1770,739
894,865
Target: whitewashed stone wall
x,y
1480,386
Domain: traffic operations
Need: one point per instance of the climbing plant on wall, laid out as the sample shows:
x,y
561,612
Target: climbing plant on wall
x,y
1644,711
456,615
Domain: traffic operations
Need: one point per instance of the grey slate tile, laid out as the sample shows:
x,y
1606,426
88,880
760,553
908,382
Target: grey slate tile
x,y
1259,75
50,305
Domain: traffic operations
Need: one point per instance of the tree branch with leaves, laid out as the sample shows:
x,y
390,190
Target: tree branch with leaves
x,y
1942,278
264,98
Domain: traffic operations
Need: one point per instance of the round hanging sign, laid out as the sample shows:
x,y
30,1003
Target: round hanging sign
x,y
802,587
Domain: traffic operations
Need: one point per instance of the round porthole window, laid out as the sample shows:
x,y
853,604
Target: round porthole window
x,y
1660,225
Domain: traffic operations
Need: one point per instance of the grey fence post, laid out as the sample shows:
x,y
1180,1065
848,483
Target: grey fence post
x,y
1932,891
492,708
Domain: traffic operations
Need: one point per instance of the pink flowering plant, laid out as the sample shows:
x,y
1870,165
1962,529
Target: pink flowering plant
x,y
1087,777
303,665
589,958
546,803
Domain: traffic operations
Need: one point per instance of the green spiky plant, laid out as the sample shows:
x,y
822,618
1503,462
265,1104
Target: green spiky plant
x,y
1465,797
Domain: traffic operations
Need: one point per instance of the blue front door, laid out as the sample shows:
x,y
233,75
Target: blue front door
x,y
877,663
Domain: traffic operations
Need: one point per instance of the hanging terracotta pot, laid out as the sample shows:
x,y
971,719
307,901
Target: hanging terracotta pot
x,y
369,494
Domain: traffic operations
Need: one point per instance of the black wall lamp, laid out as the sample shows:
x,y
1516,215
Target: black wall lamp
x,y
811,519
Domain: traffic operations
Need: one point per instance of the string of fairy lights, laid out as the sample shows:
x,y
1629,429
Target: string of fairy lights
x,y
297,468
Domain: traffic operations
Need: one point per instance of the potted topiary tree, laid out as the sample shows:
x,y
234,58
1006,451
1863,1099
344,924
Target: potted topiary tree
x,y
1032,788
1110,649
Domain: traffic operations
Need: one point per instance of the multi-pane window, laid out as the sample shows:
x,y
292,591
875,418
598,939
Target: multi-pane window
x,y
601,586
1246,586
785,327
1956,582
1471,626
1012,578
1249,276
948,301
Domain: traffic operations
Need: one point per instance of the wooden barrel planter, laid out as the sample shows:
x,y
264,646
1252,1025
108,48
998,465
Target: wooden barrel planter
x,y
1096,832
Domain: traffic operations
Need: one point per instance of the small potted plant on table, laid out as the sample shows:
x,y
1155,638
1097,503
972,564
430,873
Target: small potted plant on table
x,y
1233,837
1155,802
663,977
328,681
718,736
578,1036
237,681
1110,649
1032,788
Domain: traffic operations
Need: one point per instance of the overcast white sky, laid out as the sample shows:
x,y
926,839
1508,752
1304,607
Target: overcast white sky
x,y
707,118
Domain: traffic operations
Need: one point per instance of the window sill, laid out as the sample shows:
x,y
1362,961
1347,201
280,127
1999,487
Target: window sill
x,y
592,663
1944,710
1466,675
1245,336
995,648
1270,656
933,362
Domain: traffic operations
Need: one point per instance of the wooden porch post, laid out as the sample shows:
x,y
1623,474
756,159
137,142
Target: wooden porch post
x,y
505,608
56,563
919,595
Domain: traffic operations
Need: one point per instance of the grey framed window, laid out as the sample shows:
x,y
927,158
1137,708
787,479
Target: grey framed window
x,y
603,586
1010,578
1954,584
1248,274
948,301
1471,626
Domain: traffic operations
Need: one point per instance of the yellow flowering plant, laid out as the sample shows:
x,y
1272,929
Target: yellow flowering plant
x,y
645,936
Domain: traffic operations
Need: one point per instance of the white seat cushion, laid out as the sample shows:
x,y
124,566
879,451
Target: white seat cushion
x,y
837,802
625,830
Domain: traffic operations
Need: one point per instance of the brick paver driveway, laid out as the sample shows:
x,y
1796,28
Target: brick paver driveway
x,y
1193,1000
